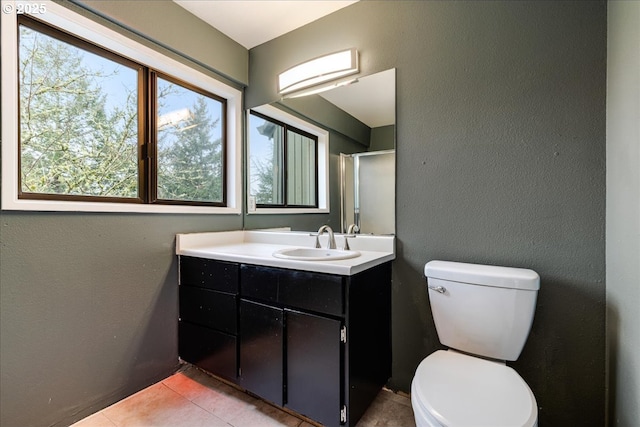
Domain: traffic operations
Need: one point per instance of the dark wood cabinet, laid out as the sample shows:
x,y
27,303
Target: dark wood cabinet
x,y
208,322
318,344
209,349
262,350
315,371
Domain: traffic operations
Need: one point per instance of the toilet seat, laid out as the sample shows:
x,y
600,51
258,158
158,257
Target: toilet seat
x,y
457,390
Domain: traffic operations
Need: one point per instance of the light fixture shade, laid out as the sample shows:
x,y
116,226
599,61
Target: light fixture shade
x,y
319,70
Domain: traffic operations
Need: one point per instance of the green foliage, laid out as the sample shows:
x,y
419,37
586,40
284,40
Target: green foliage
x,y
72,141
263,174
266,160
79,128
190,159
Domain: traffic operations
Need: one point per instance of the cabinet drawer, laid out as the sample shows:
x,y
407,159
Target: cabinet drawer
x,y
211,350
214,309
259,282
208,273
323,293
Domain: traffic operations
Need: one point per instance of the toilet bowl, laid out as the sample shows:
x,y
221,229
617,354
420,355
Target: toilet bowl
x,y
452,389
483,314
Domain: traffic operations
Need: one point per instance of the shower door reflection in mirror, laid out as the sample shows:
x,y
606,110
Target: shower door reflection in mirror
x,y
367,192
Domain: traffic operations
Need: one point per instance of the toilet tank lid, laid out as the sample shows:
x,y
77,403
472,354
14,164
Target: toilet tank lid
x,y
487,275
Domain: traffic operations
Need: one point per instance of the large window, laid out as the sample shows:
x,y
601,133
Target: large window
x,y
84,113
112,123
283,164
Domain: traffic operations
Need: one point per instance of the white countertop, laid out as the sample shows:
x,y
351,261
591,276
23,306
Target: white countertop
x,y
257,248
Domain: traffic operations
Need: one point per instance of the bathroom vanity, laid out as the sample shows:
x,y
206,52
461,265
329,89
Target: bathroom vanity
x,y
310,336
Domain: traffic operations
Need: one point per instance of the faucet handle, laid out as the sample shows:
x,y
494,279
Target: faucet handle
x,y
346,241
353,229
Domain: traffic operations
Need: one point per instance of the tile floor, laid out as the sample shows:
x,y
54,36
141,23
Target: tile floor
x,y
191,398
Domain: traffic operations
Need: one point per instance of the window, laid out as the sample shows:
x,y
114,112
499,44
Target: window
x,y
79,118
287,163
282,163
95,130
190,153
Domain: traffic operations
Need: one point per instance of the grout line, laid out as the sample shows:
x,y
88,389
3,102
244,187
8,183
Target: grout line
x,y
397,397
107,417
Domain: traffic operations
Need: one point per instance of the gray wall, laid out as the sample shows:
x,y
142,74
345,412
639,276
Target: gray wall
x,y
500,160
623,212
89,301
383,138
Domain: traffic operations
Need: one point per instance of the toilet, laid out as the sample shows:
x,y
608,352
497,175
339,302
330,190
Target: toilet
x,y
483,315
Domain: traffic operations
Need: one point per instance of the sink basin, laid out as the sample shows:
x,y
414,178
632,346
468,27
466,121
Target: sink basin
x,y
315,254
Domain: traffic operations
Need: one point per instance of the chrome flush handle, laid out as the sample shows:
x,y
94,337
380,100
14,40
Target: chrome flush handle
x,y
439,289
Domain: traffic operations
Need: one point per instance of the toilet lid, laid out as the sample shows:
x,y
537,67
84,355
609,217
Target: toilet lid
x,y
461,390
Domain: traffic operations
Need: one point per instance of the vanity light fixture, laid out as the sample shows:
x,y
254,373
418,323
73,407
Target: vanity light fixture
x,y
316,90
318,70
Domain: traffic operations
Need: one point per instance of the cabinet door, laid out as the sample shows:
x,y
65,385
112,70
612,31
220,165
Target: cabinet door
x,y
261,350
209,349
314,367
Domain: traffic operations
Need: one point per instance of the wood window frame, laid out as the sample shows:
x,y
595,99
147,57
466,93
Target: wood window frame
x,y
153,172
146,148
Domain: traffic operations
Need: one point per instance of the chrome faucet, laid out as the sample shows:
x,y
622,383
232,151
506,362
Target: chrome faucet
x,y
351,232
332,239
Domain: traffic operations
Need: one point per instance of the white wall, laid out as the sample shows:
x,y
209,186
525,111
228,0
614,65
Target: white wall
x,y
623,212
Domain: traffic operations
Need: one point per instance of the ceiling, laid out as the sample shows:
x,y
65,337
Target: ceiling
x,y
372,100
268,20
253,22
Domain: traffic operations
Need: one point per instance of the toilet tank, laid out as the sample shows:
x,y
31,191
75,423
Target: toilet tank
x,y
482,309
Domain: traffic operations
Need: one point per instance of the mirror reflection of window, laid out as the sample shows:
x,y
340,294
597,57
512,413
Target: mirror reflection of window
x,y
265,161
301,169
282,164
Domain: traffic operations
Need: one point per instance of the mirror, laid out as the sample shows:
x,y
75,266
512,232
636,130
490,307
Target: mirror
x,y
360,120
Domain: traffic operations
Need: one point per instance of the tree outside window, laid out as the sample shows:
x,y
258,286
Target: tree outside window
x,y
78,120
84,127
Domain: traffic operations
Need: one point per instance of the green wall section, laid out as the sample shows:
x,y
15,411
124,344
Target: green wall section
x,y
89,309
500,160
383,138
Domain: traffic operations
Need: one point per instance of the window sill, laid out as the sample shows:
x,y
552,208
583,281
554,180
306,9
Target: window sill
x,y
287,211
63,206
